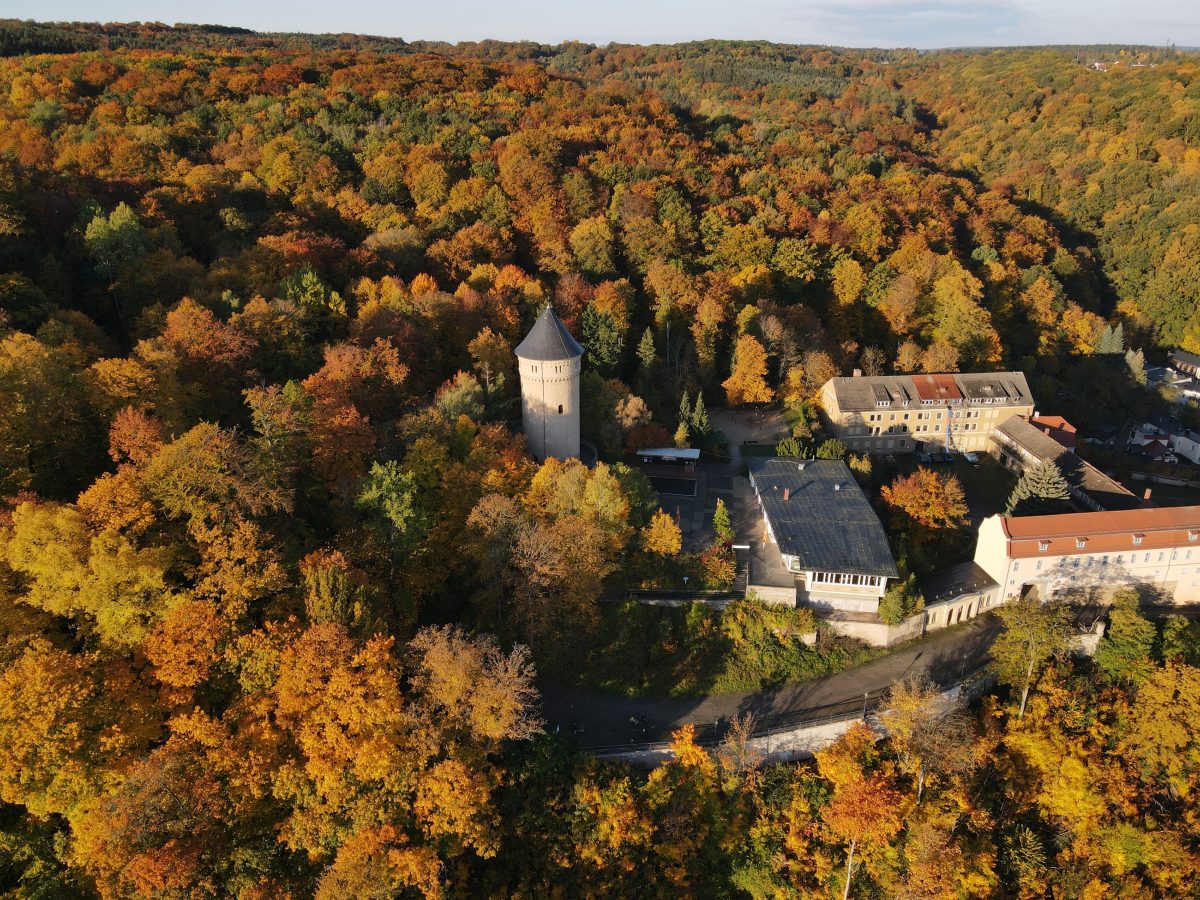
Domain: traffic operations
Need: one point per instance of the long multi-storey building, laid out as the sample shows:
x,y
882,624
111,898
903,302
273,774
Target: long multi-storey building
x,y
1087,555
1019,444
900,413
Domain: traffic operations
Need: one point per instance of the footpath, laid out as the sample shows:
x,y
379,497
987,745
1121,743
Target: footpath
x,y
600,722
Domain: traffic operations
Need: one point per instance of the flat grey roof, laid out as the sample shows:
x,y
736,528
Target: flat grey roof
x,y
670,453
965,578
826,521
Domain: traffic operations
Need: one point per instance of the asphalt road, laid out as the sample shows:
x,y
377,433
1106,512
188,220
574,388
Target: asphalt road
x,y
602,720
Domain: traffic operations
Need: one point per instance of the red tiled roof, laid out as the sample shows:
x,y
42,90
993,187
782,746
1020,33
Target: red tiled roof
x,y
936,387
1057,427
1053,422
1103,532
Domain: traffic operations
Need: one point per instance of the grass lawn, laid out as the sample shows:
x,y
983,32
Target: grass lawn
x,y
694,650
987,485
793,416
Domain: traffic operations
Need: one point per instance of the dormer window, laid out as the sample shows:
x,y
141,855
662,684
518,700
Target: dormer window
x,y
1043,546
1137,539
1080,543
1192,535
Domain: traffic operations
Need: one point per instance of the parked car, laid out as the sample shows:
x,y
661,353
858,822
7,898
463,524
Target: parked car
x,y
971,457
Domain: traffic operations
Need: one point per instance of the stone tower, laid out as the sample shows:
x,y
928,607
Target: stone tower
x,y
549,363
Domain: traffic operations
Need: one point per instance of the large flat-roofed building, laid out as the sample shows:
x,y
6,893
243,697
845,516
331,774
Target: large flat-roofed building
x,y
828,535
1019,444
896,413
1088,555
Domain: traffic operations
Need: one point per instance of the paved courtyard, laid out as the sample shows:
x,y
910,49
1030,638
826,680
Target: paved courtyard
x,y
724,479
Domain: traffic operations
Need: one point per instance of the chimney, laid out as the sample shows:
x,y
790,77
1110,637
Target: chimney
x,y
1146,494
837,486
787,493
858,373
800,466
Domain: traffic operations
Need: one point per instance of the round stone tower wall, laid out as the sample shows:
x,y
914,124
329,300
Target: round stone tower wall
x,y
550,406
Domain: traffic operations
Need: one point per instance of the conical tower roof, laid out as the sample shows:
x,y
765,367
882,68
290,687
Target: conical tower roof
x,y
548,339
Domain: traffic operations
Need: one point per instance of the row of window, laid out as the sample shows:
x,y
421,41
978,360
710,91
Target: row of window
x,y
846,578
1081,542
892,417
903,429
1120,560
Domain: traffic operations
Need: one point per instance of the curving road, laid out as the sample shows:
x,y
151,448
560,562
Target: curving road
x,y
598,721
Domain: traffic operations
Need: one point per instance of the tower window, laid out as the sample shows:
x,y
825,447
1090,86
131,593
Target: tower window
x,y
560,409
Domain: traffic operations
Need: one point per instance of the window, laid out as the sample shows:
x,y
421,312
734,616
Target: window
x,y
560,409
1080,543
1137,538
1043,546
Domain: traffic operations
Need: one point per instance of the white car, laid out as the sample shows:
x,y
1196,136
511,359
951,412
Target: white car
x,y
971,457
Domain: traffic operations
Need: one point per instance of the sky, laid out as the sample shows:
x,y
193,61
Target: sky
x,y
850,23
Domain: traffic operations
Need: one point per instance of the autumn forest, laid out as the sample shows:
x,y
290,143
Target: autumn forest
x,y
279,582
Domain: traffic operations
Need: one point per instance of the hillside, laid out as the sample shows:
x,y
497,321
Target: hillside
x,y
279,580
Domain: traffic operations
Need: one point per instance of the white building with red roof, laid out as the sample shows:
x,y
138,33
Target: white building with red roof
x,y
1088,555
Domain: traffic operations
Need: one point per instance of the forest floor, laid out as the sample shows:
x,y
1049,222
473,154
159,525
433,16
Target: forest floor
x,y
601,720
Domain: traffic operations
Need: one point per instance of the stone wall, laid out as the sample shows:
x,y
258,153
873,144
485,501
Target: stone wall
x,y
777,596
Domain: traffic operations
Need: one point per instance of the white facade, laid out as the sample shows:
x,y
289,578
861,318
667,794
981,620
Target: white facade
x,y
1088,565
550,406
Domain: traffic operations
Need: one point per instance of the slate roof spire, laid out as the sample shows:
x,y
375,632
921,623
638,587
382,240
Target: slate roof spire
x,y
548,339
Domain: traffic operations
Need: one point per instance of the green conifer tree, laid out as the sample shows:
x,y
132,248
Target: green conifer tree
x,y
700,424
1041,490
685,410
645,351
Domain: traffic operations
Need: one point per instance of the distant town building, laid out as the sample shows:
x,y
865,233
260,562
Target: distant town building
x,y
831,542
1088,555
1183,362
1019,444
549,362
1166,439
900,413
